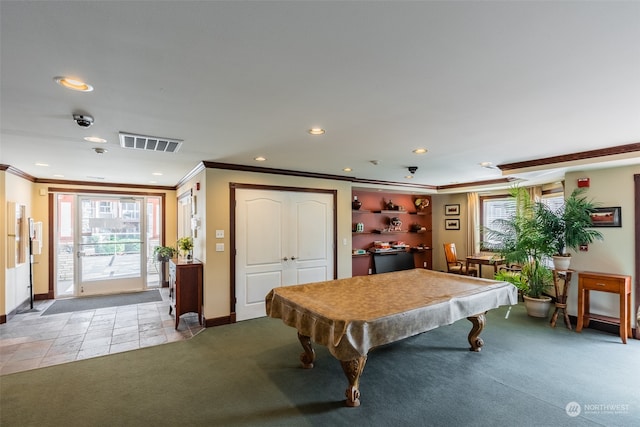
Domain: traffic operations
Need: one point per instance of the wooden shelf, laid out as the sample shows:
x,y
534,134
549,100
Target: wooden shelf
x,y
374,218
390,212
360,255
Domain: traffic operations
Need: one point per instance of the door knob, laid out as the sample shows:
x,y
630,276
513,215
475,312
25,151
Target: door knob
x,y
292,258
285,259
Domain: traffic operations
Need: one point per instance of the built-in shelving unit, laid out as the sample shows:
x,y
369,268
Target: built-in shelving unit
x,y
414,230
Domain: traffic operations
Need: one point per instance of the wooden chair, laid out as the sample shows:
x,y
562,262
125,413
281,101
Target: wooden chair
x,y
454,265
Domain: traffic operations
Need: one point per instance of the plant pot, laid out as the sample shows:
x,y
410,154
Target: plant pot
x,y
561,262
537,307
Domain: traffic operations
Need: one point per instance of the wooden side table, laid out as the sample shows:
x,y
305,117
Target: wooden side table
x,y
564,278
604,282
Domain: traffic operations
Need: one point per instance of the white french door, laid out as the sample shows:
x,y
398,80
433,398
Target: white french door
x,y
104,243
282,239
109,248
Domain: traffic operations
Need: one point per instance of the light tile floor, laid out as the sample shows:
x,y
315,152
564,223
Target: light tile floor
x,y
30,340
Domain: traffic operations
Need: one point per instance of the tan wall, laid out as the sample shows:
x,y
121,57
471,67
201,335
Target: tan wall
x,y
440,235
14,286
616,254
3,242
217,267
15,289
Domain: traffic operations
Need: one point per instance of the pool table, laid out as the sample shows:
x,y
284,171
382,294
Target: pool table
x,y
354,315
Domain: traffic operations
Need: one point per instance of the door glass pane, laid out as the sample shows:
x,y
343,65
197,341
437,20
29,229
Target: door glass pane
x,y
65,226
110,242
154,238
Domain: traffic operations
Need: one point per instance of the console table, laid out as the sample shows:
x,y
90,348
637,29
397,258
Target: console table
x,y
185,287
604,282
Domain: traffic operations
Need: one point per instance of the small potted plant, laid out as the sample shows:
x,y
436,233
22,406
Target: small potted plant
x,y
163,253
185,245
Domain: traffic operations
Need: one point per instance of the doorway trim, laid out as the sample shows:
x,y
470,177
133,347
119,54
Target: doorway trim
x,y
233,186
636,179
51,219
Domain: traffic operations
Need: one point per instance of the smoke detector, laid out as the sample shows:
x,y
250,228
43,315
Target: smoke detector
x,y
99,150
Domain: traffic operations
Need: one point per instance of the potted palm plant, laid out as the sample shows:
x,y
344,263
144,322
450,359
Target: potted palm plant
x,y
520,239
569,227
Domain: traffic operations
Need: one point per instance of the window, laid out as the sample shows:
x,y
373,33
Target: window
x,y
493,208
554,201
501,207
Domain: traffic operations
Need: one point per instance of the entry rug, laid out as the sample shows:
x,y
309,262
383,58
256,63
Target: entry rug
x,y
92,303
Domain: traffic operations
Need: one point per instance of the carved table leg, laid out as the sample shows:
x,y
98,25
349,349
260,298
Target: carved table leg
x,y
309,356
353,369
478,322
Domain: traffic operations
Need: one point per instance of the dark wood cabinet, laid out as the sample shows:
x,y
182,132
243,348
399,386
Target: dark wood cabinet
x,y
185,288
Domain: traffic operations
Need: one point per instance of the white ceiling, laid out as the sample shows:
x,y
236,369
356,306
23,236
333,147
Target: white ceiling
x,y
474,81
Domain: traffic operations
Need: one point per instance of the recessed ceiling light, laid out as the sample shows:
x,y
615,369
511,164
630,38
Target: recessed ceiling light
x,y
73,84
409,176
419,151
347,169
58,175
41,164
157,173
486,164
316,131
259,159
94,139
152,182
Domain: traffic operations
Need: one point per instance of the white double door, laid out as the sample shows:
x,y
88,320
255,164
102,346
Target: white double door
x,y
282,238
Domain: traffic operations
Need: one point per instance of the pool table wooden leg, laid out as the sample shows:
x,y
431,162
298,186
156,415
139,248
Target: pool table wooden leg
x,y
353,369
309,356
478,322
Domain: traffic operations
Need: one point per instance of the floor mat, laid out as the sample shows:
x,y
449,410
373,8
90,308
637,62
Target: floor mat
x,y
92,303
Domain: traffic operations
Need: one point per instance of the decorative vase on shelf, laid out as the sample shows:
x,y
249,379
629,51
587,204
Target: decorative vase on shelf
x,y
356,204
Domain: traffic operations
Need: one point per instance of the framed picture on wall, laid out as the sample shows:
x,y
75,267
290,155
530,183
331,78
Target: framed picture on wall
x,y
452,224
607,217
452,209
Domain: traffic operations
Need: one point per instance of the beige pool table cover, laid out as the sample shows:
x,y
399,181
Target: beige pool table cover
x,y
351,316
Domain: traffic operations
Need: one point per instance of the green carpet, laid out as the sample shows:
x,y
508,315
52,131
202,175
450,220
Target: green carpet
x,y
248,374
102,301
